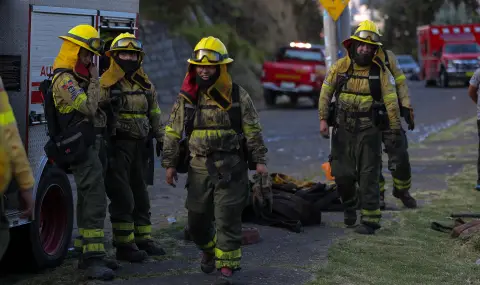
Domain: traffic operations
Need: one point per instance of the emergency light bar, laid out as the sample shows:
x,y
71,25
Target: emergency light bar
x,y
300,45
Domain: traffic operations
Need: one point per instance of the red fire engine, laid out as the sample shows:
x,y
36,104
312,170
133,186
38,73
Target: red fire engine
x,y
448,53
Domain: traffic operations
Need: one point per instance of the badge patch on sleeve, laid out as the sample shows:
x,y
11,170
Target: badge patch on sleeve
x,y
70,87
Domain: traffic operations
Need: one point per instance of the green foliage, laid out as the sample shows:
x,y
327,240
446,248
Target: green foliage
x,y
237,46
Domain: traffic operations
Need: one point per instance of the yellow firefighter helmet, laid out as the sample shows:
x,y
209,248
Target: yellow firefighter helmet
x,y
210,51
85,36
367,32
125,42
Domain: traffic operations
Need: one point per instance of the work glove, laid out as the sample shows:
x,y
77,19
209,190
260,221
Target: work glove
x,y
409,118
262,193
159,148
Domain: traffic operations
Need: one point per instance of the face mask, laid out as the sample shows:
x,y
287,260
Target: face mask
x,y
363,59
128,66
205,84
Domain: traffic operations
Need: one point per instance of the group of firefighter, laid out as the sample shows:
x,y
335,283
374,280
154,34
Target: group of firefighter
x,y
213,134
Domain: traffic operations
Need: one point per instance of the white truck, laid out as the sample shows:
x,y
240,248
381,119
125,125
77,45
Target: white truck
x,y
29,43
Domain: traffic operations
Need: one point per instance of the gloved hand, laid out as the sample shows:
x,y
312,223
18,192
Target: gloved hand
x,y
159,148
262,193
409,118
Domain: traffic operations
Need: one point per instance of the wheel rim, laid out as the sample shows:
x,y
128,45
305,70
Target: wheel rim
x,y
53,219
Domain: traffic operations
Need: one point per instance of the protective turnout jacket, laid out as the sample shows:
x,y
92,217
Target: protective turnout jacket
x,y
355,95
212,129
13,158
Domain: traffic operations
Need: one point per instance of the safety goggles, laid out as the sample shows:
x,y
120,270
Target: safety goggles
x,y
368,36
95,44
126,42
212,56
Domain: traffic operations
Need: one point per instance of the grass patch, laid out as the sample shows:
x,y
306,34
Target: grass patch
x,y
406,251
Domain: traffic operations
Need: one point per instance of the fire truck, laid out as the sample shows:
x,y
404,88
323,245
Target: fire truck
x,y
448,53
29,44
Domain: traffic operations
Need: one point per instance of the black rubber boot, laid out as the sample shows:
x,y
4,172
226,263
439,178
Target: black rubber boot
x,y
96,269
130,253
382,200
404,196
366,228
151,248
225,276
112,264
350,218
208,262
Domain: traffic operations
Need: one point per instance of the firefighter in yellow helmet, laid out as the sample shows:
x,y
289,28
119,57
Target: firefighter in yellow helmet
x,y
13,160
365,104
76,93
134,101
398,158
216,115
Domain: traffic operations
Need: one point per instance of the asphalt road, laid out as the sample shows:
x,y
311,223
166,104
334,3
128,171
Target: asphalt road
x,y
295,148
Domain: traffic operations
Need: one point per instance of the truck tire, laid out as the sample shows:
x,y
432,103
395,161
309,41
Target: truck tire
x,y
270,97
44,242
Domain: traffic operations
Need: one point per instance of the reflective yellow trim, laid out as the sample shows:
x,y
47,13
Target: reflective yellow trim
x,y
390,97
143,229
75,106
230,259
78,243
124,239
169,131
79,100
7,118
211,133
402,184
400,78
132,116
80,231
156,111
210,245
327,86
382,186
93,233
94,247
371,216
249,129
123,226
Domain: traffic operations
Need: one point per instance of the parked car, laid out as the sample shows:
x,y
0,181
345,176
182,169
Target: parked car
x,y
409,66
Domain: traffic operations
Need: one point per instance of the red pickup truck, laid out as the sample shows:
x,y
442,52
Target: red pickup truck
x,y
298,70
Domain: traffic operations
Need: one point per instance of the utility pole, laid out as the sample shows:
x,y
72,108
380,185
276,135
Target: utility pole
x,y
335,31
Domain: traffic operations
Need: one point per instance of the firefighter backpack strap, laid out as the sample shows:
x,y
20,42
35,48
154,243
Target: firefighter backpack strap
x,y
374,82
235,112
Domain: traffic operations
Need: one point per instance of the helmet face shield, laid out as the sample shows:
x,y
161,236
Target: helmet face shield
x,y
210,55
96,44
368,36
127,42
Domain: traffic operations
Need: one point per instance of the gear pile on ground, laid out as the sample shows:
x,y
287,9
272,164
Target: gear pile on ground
x,y
294,203
460,228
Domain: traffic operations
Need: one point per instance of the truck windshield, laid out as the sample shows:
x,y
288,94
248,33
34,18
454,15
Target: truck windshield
x,y
302,54
462,48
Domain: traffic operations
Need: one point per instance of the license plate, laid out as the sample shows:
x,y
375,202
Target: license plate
x,y
287,85
470,73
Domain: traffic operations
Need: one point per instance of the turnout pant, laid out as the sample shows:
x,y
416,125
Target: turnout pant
x,y
91,201
217,194
355,158
4,229
398,162
126,188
